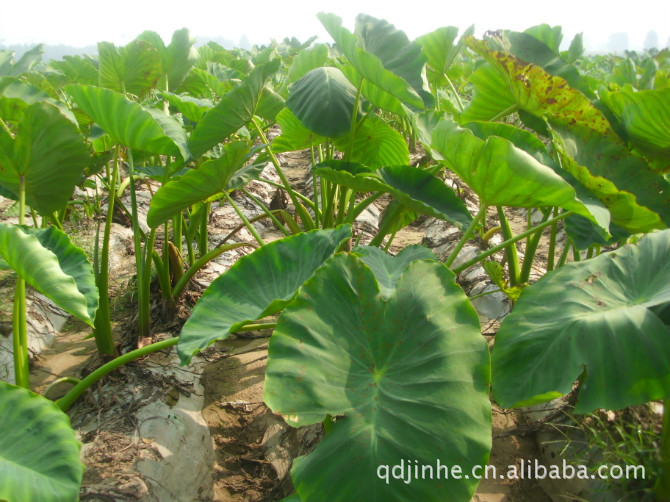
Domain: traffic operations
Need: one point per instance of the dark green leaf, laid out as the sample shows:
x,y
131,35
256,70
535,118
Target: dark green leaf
x,y
410,375
257,285
594,318
323,100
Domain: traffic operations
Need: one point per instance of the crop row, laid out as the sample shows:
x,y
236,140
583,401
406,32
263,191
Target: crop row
x,y
391,343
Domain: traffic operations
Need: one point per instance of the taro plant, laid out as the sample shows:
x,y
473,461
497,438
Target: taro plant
x,y
42,157
137,129
378,342
391,347
604,323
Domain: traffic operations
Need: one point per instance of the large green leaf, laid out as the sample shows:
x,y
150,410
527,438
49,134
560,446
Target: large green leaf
x,y
305,61
234,110
410,375
48,152
550,36
39,454
257,285
376,144
531,144
129,123
637,197
134,68
294,135
644,115
323,100
269,104
369,65
177,59
197,185
490,96
502,174
439,48
55,267
80,69
376,96
396,52
415,188
596,320
29,59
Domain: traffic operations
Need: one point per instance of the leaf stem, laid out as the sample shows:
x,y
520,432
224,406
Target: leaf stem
x,y
243,218
19,320
510,252
506,243
466,235
66,401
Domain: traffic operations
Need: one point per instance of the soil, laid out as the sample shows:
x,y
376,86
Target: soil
x,y
248,450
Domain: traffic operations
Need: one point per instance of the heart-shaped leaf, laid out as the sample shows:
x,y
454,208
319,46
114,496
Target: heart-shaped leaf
x,y
396,53
595,319
305,61
129,123
294,135
376,144
257,285
323,100
51,264
48,152
234,110
192,108
409,375
502,174
39,454
368,64
197,185
134,68
177,59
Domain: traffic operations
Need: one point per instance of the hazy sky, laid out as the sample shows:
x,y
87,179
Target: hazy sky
x,y
85,22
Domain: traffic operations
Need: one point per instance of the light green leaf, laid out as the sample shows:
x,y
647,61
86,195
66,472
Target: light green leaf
x,y
192,108
294,136
134,68
236,109
376,144
369,65
55,267
305,61
504,175
197,185
39,454
49,152
388,268
130,124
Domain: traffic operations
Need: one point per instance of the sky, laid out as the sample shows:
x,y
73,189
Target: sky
x,y
86,22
